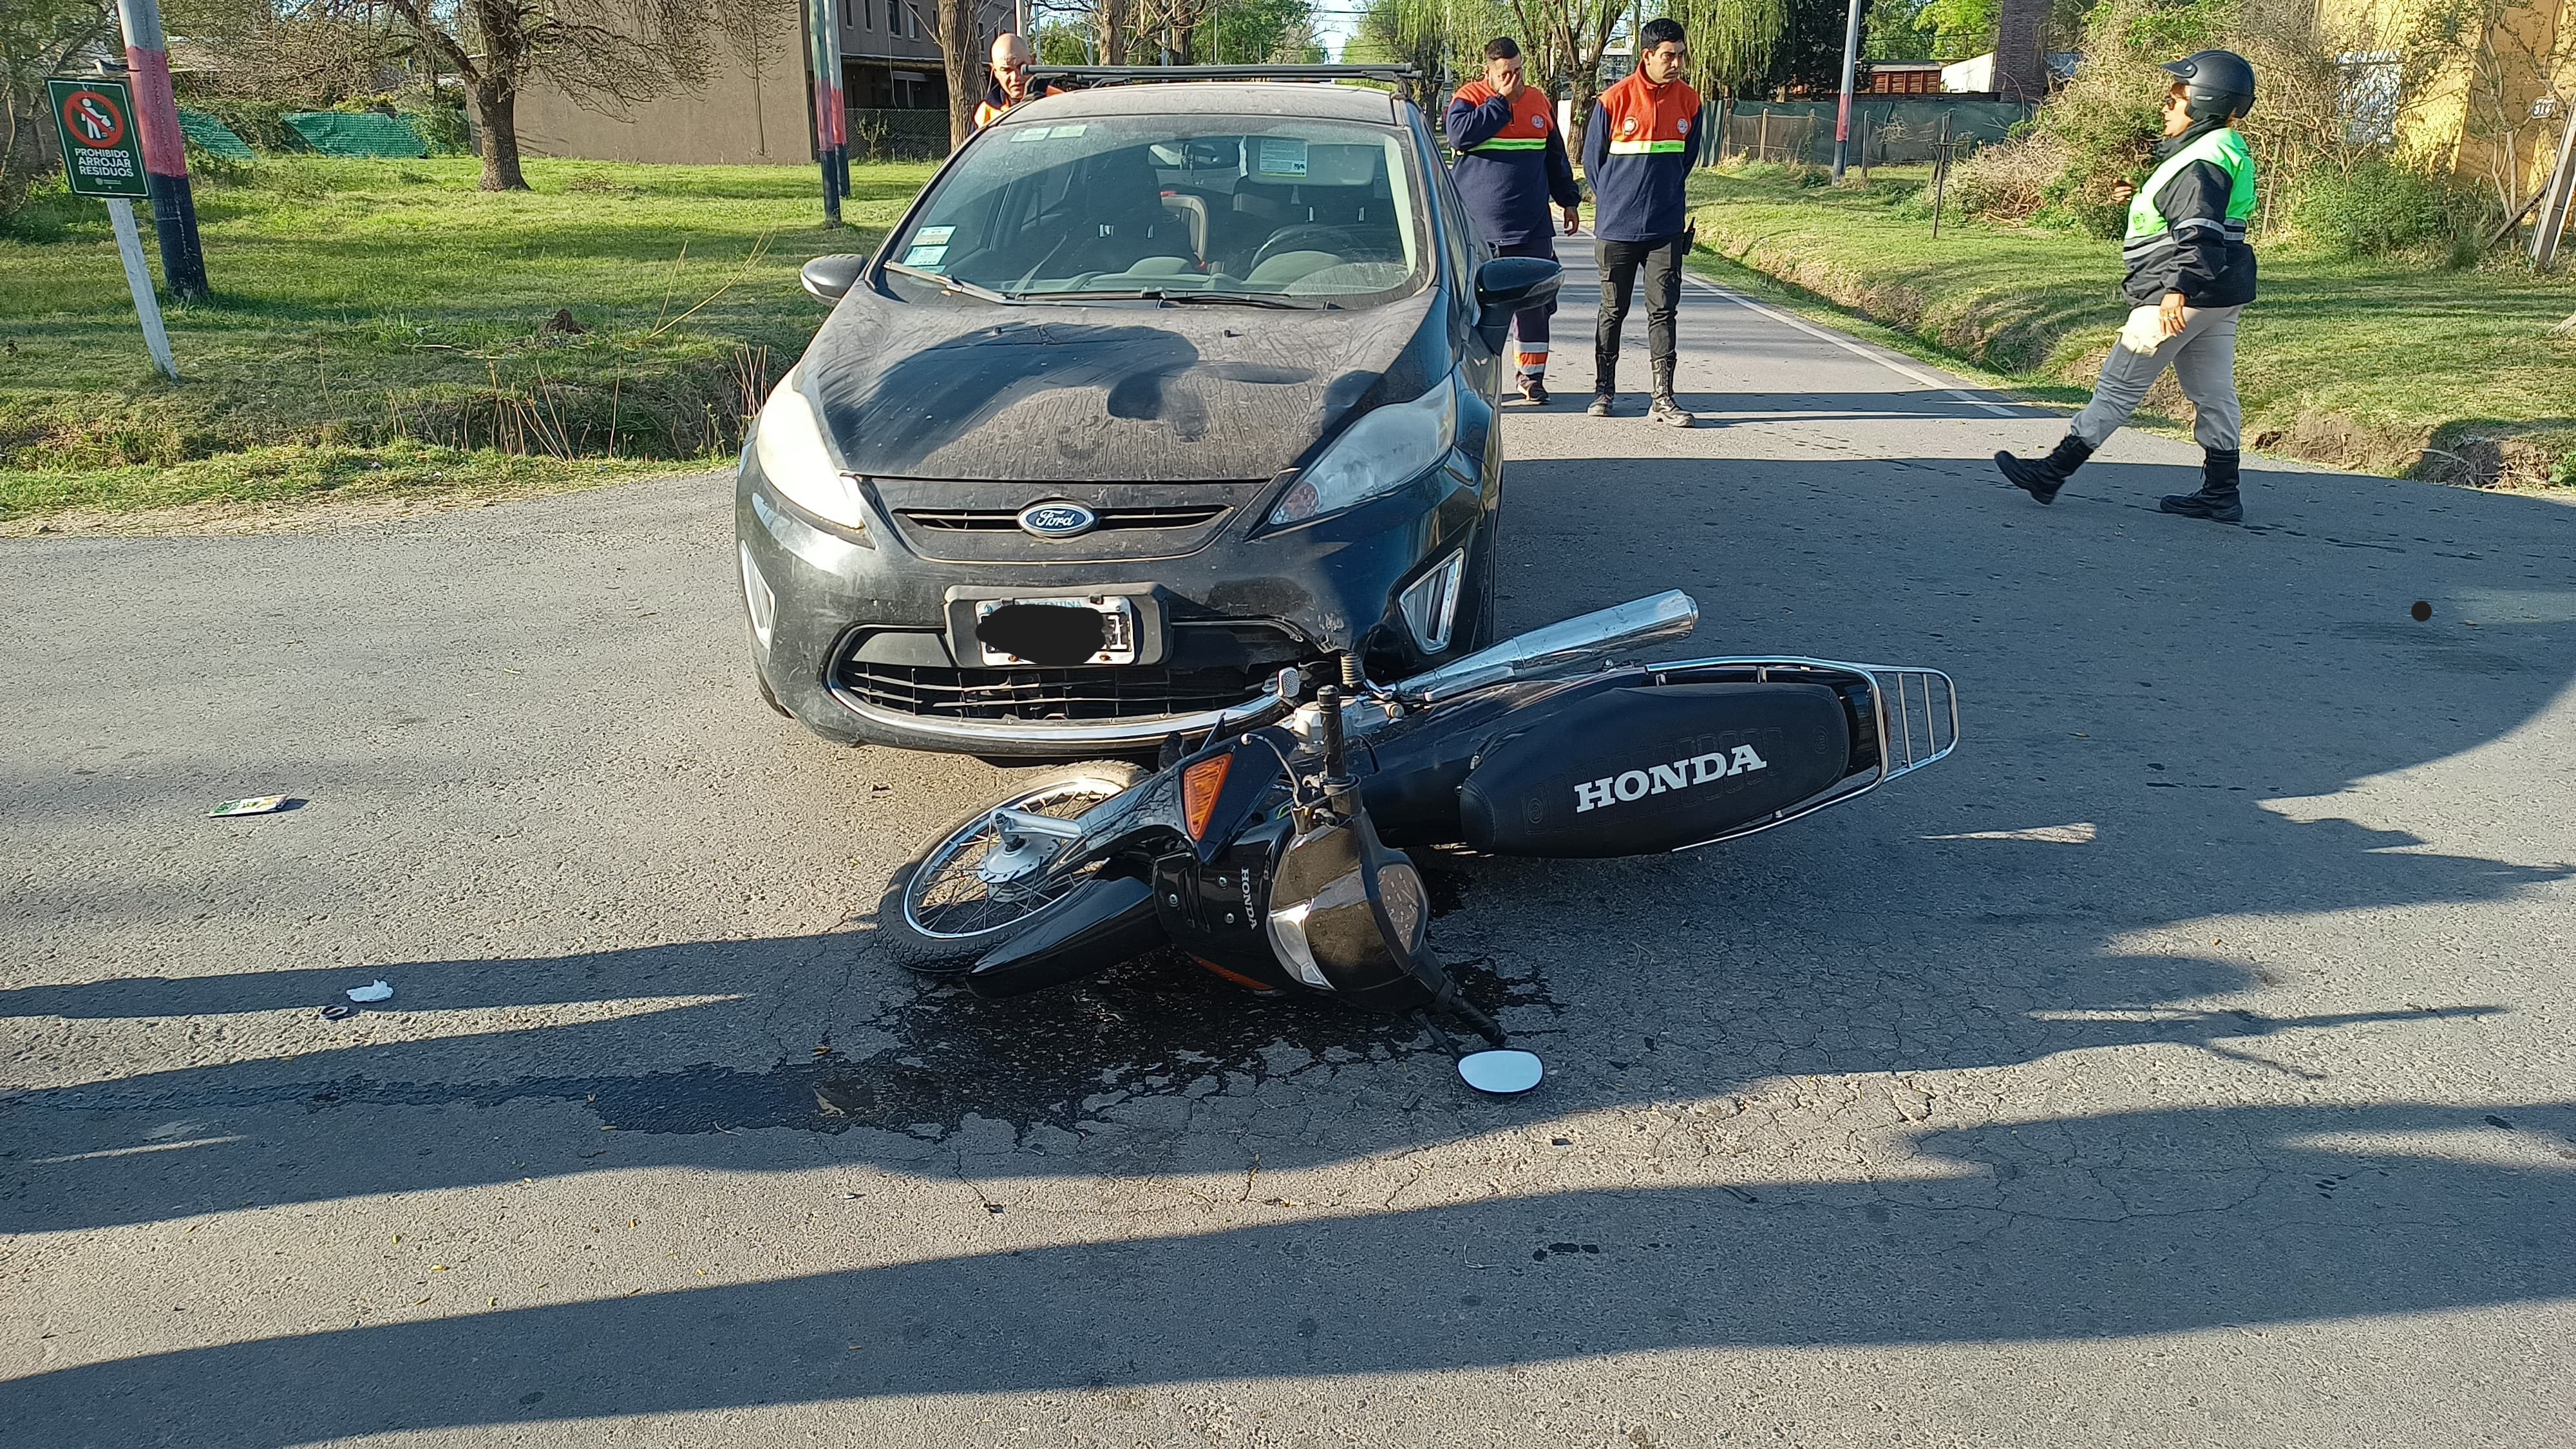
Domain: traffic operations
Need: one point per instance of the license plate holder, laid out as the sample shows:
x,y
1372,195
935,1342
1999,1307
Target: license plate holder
x,y
1132,623
1116,612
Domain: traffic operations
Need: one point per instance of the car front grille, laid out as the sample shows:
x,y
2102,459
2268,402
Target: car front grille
x,y
1000,520
1213,664
1045,694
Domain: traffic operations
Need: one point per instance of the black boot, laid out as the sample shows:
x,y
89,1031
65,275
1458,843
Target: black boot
x,y
2216,500
2042,477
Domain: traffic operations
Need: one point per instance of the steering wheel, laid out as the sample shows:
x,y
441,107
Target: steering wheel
x,y
1305,237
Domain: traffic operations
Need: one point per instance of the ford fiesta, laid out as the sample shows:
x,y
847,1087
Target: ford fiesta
x,y
1155,390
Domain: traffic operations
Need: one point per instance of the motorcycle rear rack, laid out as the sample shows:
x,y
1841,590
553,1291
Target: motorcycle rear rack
x,y
1917,714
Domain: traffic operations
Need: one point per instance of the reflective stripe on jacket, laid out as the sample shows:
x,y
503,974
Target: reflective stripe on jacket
x,y
2187,225
1511,161
1638,153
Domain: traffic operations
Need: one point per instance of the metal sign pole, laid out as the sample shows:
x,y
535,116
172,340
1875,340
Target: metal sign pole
x,y
103,157
138,279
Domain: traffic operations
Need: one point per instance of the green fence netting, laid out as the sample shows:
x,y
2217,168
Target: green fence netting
x,y
357,133
212,136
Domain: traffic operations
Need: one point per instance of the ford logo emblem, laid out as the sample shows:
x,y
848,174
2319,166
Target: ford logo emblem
x,y
1058,520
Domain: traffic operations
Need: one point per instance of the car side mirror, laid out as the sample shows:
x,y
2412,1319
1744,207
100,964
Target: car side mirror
x,y
1507,285
831,278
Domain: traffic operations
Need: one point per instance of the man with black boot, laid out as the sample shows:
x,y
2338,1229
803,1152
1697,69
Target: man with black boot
x,y
1637,154
2190,275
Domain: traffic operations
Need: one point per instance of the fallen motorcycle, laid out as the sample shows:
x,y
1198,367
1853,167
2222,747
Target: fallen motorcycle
x,y
1274,853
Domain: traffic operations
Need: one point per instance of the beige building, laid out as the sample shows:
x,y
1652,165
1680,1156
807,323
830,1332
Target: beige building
x,y
755,107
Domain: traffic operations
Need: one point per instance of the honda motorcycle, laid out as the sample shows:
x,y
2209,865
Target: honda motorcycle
x,y
1274,852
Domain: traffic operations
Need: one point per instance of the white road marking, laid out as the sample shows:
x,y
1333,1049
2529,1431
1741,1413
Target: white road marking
x,y
131,1151
1856,349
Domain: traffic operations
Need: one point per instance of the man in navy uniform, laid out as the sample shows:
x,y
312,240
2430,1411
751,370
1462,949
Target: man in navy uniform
x,y
1511,163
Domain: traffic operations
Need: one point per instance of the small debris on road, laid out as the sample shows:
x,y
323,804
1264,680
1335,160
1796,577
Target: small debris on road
x,y
338,1011
374,991
2422,611
255,805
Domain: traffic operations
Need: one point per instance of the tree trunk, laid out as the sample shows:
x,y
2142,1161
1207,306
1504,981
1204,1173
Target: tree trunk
x,y
2021,67
496,127
1117,30
965,67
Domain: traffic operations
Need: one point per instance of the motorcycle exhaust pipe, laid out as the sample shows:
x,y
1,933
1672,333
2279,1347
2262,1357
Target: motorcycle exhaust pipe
x,y
1558,648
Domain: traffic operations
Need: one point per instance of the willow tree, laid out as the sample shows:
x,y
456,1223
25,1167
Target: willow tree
x,y
1562,41
1732,42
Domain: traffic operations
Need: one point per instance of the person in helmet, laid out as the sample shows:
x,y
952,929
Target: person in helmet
x,y
2190,274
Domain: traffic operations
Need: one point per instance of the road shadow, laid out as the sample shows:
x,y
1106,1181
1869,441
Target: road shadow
x,y
2067,1229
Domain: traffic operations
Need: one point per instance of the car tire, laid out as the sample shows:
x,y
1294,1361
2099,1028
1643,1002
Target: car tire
x,y
902,937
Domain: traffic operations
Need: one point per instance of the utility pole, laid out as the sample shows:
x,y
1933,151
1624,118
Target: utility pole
x,y
165,151
2557,197
831,122
1851,70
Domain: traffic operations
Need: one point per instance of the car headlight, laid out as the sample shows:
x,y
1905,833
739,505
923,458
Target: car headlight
x,y
788,441
1378,454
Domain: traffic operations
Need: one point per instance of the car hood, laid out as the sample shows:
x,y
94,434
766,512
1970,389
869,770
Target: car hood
x,y
954,388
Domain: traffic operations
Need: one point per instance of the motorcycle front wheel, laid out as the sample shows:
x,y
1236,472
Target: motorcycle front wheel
x,y
938,917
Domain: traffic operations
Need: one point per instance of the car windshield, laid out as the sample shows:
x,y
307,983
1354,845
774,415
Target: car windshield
x,y
1262,210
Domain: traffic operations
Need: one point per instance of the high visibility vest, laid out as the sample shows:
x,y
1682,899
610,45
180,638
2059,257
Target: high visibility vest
x,y
1532,119
1647,119
2223,148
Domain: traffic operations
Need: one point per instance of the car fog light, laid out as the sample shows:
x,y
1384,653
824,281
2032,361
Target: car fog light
x,y
757,596
1431,604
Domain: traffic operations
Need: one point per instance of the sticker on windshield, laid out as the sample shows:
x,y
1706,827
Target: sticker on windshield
x,y
931,236
1281,156
924,256
1046,133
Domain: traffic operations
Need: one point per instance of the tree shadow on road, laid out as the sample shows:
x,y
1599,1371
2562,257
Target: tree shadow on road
x,y
2072,1228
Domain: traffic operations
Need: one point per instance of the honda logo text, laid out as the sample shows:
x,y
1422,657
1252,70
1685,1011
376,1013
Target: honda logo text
x,y
1680,774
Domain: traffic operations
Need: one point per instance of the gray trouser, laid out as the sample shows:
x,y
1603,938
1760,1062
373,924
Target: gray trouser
x,y
2203,358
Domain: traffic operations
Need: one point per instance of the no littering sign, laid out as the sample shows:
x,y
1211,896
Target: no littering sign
x,y
102,149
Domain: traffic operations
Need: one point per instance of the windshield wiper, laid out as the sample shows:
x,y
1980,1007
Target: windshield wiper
x,y
951,284
1157,294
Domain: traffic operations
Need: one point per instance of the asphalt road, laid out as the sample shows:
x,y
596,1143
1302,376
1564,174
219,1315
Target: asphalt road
x,y
2185,1062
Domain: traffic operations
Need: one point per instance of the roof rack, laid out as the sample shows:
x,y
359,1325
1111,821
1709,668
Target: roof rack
x,y
1403,76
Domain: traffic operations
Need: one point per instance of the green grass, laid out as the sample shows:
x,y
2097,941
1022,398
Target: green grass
x,y
381,327
2386,364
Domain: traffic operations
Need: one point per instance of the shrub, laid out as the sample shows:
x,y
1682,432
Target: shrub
x,y
2379,206
2012,181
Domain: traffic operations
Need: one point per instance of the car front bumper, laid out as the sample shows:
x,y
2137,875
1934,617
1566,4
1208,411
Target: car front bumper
x,y
850,626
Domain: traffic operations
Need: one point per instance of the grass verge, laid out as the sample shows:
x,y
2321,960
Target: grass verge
x,y
2380,365
384,327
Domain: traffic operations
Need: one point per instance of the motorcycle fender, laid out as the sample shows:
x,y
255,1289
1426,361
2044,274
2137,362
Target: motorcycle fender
x,y
1217,909
1647,768
1104,922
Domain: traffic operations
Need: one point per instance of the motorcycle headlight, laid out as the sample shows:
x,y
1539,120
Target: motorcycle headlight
x,y
788,441
1378,454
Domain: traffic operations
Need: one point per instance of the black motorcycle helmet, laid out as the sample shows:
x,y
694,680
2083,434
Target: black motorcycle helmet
x,y
2217,84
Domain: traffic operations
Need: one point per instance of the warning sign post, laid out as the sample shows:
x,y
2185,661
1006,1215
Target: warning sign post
x,y
103,157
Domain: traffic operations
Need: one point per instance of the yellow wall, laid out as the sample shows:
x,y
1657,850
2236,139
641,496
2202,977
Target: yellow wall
x,y
2435,128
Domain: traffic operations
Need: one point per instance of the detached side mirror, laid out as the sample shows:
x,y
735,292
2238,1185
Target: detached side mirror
x,y
831,278
1507,285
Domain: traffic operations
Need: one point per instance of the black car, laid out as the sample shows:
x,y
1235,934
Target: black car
x,y
1155,390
